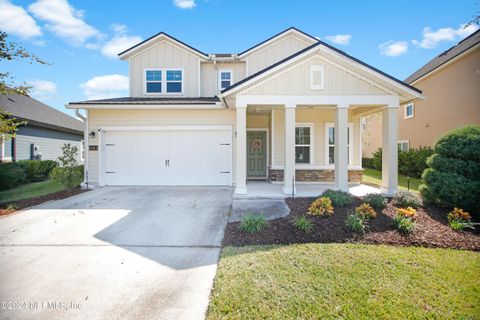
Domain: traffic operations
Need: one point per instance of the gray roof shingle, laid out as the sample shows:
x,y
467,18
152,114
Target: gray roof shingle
x,y
153,100
38,113
444,57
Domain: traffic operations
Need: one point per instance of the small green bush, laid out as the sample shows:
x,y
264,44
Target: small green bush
x,y
339,198
11,176
376,200
356,222
37,170
303,223
404,224
252,223
453,175
12,207
69,177
407,199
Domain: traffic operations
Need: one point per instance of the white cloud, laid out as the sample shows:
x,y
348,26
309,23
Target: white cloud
x,y
431,38
64,20
108,86
184,4
15,20
393,48
343,39
42,89
120,42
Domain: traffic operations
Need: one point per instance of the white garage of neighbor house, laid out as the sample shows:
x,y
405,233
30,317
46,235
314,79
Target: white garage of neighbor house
x,y
275,112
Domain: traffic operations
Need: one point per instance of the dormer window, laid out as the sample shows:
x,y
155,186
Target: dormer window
x,y
163,81
224,79
153,81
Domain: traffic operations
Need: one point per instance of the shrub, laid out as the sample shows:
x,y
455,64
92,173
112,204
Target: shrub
x,y
404,224
408,212
11,176
321,207
37,170
459,220
453,175
376,200
12,207
356,223
303,223
365,210
407,199
339,198
252,223
70,174
368,163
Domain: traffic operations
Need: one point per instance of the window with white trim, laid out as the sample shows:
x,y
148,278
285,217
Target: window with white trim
x,y
317,77
163,81
153,81
330,143
409,111
224,79
403,145
303,143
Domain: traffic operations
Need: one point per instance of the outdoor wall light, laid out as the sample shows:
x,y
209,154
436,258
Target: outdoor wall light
x,y
92,134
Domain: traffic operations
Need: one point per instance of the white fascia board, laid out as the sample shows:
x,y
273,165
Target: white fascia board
x,y
389,100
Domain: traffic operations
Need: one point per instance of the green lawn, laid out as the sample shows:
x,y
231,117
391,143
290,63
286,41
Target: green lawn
x,y
346,281
30,190
371,176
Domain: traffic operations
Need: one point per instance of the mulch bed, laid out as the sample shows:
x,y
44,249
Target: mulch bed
x,y
39,200
431,230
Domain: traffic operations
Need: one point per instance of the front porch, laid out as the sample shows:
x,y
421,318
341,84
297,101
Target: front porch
x,y
267,190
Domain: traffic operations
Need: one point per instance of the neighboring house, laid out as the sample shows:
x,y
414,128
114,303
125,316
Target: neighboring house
x,y
268,113
47,130
451,84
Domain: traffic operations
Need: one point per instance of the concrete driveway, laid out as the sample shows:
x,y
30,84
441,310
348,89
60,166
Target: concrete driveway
x,y
114,253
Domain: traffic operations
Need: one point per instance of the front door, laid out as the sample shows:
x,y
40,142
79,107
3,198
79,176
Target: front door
x,y
256,154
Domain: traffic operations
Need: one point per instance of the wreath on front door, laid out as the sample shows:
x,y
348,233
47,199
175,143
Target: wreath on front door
x,y
256,144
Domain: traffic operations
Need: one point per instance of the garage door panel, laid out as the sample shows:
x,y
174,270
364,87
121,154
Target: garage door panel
x,y
183,157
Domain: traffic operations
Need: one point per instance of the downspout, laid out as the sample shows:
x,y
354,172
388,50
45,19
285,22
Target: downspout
x,y
86,146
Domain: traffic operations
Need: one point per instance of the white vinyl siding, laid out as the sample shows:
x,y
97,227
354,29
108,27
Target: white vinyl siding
x,y
210,76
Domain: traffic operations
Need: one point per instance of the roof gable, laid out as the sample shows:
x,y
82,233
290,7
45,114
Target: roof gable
x,y
290,31
156,39
334,52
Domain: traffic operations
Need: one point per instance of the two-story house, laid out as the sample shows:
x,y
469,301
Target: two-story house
x,y
286,110
451,82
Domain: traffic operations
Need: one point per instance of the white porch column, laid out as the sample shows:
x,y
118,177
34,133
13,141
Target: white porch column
x,y
341,152
390,149
241,150
289,165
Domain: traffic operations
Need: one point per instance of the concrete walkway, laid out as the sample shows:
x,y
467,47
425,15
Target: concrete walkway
x,y
114,253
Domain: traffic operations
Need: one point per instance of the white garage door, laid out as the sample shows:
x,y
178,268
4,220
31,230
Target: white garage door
x,y
168,157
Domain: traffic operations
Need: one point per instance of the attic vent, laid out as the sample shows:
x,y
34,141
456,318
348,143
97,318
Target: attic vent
x,y
11,100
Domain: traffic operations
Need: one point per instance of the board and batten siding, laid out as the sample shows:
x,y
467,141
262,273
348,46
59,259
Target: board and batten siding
x,y
209,76
296,81
50,142
319,118
276,51
165,55
101,118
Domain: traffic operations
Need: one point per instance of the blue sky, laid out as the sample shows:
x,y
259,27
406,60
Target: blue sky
x,y
81,38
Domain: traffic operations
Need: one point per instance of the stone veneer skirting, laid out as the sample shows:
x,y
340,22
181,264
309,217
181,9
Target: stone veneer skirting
x,y
315,175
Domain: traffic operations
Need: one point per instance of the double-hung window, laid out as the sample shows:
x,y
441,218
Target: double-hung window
x,y
224,79
153,81
330,143
403,145
163,81
303,144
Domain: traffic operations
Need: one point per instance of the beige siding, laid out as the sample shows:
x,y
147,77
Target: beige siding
x,y
319,118
209,76
276,51
102,118
165,55
296,81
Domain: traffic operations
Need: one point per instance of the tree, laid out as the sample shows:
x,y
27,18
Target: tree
x,y
10,51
